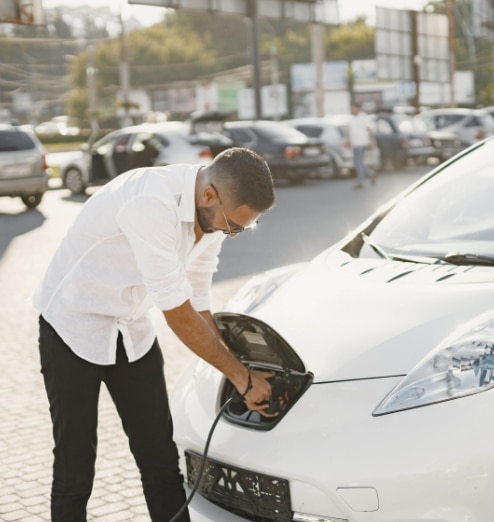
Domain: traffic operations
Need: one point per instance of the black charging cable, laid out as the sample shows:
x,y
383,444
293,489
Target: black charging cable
x,y
233,397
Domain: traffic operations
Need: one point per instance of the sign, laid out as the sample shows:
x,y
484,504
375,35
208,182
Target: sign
x,y
404,38
25,12
320,11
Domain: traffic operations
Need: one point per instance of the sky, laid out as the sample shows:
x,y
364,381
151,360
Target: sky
x,y
147,15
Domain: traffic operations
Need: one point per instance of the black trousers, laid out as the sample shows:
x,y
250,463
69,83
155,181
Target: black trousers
x,y
139,393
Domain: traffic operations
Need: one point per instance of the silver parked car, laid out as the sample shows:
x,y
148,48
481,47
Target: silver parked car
x,y
23,169
469,125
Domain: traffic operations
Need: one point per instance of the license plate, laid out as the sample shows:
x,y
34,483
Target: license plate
x,y
251,495
16,171
312,151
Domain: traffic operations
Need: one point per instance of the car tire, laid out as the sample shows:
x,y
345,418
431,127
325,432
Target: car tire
x,y
331,171
32,200
74,181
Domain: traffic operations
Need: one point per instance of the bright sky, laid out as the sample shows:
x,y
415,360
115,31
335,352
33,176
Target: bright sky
x,y
147,15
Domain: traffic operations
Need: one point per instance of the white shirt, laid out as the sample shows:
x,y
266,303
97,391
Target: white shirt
x,y
131,247
358,130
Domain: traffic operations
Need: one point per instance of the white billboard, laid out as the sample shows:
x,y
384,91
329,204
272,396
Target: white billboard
x,y
28,12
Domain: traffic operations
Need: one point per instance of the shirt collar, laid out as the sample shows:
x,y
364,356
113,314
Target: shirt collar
x,y
186,203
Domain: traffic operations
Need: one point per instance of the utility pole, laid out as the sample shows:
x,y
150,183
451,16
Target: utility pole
x,y
124,73
416,59
452,61
91,92
318,60
254,25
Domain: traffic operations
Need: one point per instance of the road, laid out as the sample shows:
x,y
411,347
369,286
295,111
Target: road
x,y
305,220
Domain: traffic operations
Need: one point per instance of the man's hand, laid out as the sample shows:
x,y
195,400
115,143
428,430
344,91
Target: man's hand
x,y
259,392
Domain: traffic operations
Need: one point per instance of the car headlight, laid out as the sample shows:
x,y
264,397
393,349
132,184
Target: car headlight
x,y
463,364
259,288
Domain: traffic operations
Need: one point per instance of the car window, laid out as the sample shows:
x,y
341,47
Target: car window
x,y
277,132
241,136
445,120
310,130
451,212
11,140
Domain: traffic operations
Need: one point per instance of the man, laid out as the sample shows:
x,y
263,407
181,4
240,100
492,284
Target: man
x,y
150,237
361,136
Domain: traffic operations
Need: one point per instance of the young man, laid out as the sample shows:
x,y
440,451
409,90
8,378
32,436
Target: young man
x,y
361,135
150,237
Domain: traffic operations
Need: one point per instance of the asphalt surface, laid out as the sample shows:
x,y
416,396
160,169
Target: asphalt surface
x,y
27,240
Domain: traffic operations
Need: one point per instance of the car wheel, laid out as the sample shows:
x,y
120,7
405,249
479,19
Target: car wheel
x,y
32,200
331,170
73,181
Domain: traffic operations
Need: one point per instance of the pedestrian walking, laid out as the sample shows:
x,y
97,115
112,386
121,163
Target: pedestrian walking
x,y
361,136
150,237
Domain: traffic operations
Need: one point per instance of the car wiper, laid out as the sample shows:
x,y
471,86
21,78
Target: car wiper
x,y
456,258
377,249
401,257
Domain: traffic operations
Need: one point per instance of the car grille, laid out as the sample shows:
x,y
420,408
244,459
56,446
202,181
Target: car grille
x,y
257,497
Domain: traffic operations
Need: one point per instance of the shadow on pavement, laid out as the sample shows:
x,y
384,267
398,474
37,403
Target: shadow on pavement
x,y
13,225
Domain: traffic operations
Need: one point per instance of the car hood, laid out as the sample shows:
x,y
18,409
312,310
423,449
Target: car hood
x,y
351,318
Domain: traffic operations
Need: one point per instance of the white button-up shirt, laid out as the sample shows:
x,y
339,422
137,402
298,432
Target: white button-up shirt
x,y
131,247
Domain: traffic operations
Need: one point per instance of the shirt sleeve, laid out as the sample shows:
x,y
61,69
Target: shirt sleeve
x,y
152,229
200,273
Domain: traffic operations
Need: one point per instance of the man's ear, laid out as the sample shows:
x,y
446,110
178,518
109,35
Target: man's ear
x,y
209,195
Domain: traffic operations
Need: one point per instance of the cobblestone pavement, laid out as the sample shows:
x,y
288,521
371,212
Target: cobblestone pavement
x,y
27,240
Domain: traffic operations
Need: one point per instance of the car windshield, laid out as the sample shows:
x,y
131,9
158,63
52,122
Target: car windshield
x,y
277,132
452,212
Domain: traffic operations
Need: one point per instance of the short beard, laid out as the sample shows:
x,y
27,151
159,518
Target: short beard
x,y
205,216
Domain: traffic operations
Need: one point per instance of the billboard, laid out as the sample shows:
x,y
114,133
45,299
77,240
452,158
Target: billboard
x,y
25,12
321,11
407,38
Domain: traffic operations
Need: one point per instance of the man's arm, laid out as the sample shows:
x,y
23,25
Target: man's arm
x,y
199,333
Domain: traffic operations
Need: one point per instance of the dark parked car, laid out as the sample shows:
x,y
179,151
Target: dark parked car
x,y
400,138
140,146
290,154
23,169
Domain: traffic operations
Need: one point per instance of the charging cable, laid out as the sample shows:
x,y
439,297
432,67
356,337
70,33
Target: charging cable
x,y
204,458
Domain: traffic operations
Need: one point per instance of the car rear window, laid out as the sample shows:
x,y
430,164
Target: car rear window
x,y
11,140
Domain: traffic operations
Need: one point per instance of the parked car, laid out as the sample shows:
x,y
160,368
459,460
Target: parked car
x,y
290,154
383,352
372,156
402,138
446,144
23,169
337,145
140,146
469,125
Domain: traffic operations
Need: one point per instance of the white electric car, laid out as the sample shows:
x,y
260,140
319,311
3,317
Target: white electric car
x,y
383,349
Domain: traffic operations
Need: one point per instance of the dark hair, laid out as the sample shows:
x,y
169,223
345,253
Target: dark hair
x,y
246,177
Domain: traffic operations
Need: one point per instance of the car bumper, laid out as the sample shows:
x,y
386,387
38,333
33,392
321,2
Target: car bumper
x,y
343,463
23,186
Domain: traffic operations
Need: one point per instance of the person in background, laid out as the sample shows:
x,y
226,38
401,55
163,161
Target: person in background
x,y
361,136
149,238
